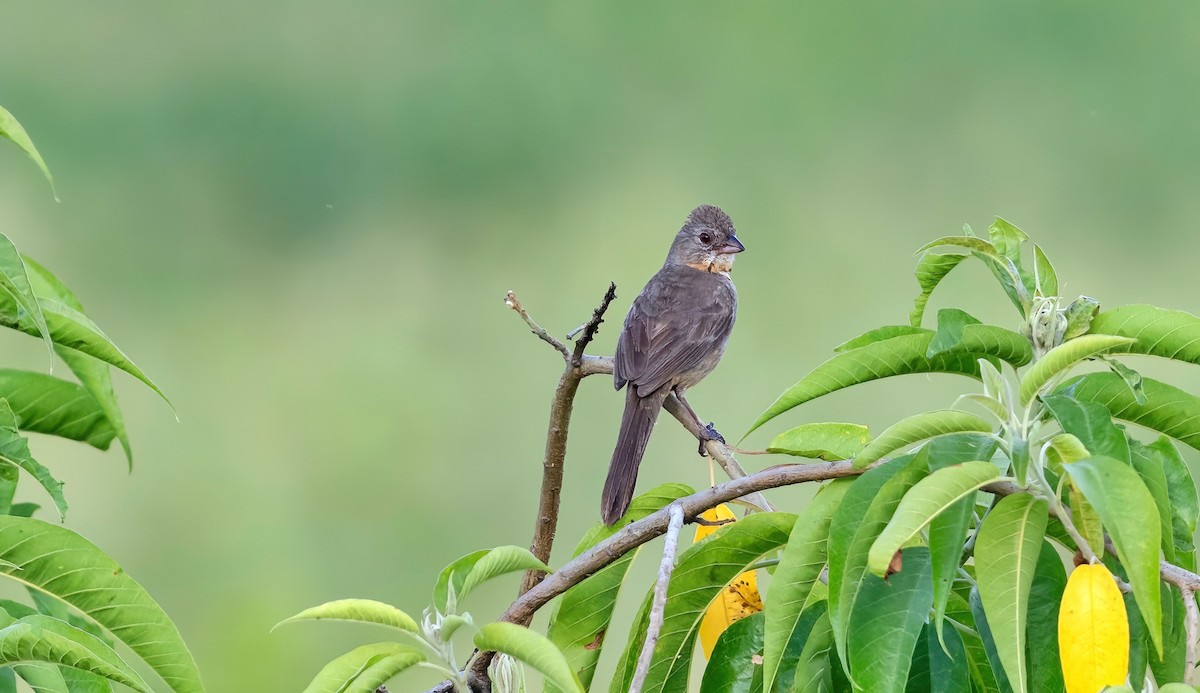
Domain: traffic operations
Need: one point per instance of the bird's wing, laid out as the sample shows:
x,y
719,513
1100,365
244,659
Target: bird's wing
x,y
671,329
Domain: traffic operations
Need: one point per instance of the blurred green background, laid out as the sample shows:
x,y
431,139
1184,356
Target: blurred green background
x,y
302,217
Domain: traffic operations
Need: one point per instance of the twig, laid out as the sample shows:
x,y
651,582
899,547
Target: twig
x,y
1192,629
665,568
546,523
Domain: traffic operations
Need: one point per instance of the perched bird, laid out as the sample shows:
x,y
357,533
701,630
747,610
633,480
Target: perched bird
x,y
674,335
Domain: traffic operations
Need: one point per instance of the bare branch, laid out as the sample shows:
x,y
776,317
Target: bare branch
x,y
511,301
592,326
658,609
1192,629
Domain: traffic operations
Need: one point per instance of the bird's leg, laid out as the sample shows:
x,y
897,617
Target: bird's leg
x,y
707,433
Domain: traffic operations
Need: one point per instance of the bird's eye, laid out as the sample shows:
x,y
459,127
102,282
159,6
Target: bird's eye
x,y
705,238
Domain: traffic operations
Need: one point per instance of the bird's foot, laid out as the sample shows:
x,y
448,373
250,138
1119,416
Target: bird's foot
x,y
706,434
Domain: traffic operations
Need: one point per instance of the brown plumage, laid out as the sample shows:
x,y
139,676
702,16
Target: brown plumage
x,y
674,335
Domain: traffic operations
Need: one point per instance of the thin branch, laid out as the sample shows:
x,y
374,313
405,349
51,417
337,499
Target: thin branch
x,y
658,609
1192,628
511,301
546,523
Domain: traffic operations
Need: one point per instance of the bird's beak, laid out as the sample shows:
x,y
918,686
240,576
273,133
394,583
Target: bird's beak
x,y
732,245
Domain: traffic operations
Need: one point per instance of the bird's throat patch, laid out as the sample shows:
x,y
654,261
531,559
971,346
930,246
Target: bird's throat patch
x,y
717,263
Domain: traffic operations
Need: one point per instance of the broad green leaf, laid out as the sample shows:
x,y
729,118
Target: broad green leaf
x,y
42,677
822,441
988,642
360,610
950,324
800,565
1139,638
927,499
1133,379
61,563
1170,334
583,614
17,290
947,536
701,572
813,666
71,329
1176,688
363,665
799,642
1006,556
1047,278
45,404
881,333
14,449
989,340
890,612
896,356
1149,464
64,678
531,648
501,560
914,429
1167,409
1090,424
1045,595
1172,665
11,130
861,516
961,620
971,243
930,271
39,638
1062,357
1127,509
1008,239
1181,490
95,375
935,671
1087,520
472,570
731,669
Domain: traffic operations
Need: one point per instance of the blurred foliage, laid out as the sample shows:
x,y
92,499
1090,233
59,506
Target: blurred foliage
x,y
302,218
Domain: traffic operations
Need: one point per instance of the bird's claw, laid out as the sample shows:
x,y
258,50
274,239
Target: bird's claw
x,y
709,433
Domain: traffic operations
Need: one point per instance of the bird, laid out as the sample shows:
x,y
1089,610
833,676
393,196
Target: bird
x,y
673,336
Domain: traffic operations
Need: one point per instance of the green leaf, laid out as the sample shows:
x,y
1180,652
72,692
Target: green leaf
x,y
800,565
360,667
14,280
930,271
988,642
731,669
1176,688
1181,490
861,516
472,570
11,130
1045,597
896,356
1090,423
1127,509
1131,377
1149,464
950,324
61,563
1170,334
881,333
822,441
805,631
1172,665
890,612
935,671
14,449
39,638
979,659
947,536
1087,521
583,614
927,499
534,649
1079,314
813,666
701,572
45,404
95,375
1062,357
989,340
1047,278
1167,409
1006,556
914,429
360,610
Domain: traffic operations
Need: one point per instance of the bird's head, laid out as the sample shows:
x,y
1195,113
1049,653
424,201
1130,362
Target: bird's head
x,y
707,241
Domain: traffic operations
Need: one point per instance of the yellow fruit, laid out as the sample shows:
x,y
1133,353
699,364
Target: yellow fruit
x,y
736,601
1093,631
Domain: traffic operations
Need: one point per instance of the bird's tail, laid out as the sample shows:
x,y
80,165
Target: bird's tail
x,y
636,424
